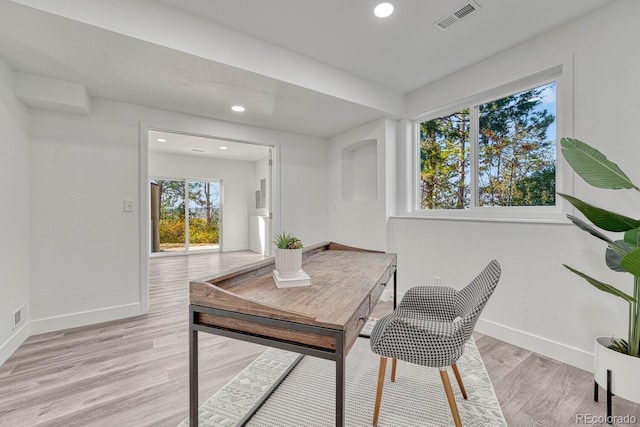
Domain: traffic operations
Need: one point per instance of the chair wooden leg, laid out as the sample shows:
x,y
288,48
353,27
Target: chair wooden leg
x,y
452,401
381,371
393,370
459,379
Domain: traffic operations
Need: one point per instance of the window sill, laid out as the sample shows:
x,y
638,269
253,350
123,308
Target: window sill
x,y
551,218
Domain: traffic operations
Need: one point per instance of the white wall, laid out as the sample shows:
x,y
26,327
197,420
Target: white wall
x,y
84,248
539,304
303,189
238,189
85,251
14,226
358,216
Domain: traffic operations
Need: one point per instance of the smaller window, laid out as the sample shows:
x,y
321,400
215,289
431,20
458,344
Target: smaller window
x,y
500,153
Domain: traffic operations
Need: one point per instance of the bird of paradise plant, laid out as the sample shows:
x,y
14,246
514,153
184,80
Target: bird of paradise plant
x,y
621,255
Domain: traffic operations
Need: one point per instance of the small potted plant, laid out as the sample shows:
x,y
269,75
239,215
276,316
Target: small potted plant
x,y
288,254
620,356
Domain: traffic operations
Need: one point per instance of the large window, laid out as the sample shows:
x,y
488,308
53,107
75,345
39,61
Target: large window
x,y
185,215
496,153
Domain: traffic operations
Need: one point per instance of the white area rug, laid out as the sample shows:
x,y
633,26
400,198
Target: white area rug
x,y
306,396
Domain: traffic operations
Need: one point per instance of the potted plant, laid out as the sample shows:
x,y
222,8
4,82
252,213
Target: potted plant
x,y
620,356
288,254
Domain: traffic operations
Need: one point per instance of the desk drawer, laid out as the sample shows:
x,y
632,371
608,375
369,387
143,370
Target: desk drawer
x,y
357,322
375,295
271,332
385,282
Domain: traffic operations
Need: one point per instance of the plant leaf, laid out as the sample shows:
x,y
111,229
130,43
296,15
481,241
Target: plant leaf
x,y
588,228
601,218
593,166
631,237
602,286
613,260
631,262
614,254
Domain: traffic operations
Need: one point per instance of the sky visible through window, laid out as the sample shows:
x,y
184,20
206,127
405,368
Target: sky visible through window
x,y
516,148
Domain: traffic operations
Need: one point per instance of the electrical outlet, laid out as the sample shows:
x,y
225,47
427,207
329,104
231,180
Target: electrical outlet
x,y
437,280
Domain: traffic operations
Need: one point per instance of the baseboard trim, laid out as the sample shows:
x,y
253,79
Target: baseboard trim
x,y
257,249
84,318
546,347
15,340
236,248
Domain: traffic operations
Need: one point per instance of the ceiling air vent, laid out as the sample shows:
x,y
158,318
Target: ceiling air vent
x,y
465,10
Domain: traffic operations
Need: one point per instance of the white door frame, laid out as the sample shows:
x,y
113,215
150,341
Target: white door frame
x,y
144,213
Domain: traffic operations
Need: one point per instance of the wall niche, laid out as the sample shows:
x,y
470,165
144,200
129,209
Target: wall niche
x,y
360,172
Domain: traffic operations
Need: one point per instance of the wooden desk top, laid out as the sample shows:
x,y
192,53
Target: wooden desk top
x,y
346,284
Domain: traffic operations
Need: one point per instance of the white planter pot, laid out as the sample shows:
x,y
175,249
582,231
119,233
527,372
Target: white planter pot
x,y
625,370
288,262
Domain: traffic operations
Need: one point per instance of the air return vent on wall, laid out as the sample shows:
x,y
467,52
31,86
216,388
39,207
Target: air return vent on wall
x,y
19,317
451,18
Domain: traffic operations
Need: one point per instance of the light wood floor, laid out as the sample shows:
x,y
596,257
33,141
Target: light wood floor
x,y
134,372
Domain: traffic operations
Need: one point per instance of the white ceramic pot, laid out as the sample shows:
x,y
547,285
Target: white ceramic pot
x,y
625,370
288,262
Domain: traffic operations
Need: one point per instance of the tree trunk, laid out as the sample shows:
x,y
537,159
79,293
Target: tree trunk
x,y
207,195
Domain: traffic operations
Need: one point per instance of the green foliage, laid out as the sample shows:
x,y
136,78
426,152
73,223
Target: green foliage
x,y
200,231
537,189
204,215
601,285
287,241
171,198
444,162
602,218
172,231
621,255
204,199
516,162
593,166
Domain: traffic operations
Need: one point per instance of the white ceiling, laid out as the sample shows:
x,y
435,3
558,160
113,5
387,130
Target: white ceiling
x,y
194,145
317,67
404,51
117,67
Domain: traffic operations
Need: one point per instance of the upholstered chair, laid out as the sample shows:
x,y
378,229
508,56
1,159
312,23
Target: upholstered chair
x,y
430,327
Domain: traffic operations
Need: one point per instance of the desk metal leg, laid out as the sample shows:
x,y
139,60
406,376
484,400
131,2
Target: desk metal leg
x,y
340,381
395,288
609,394
193,374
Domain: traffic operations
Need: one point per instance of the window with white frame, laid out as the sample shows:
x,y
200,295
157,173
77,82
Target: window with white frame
x,y
496,151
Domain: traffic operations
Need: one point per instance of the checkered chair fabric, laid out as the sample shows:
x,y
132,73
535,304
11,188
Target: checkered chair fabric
x,y
432,323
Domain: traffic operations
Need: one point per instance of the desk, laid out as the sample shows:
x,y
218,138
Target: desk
x,y
323,320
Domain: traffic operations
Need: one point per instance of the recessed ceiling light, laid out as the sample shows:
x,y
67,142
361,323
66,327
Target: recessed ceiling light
x,y
238,108
223,148
197,150
161,140
383,10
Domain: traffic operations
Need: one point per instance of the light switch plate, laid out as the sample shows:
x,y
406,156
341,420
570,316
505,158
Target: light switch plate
x,y
128,206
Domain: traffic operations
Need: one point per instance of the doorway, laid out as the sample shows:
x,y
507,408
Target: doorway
x,y
208,194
